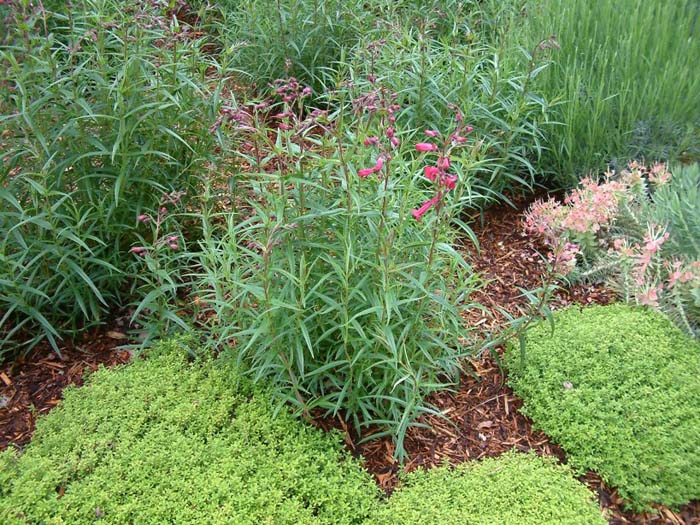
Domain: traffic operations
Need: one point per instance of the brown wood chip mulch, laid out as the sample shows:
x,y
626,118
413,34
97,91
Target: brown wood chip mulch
x,y
481,416
33,385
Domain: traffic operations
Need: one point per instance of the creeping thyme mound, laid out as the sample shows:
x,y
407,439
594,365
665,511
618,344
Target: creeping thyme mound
x,y
167,441
619,389
513,489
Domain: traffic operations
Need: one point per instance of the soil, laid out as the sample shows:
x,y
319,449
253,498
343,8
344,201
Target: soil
x,y
482,415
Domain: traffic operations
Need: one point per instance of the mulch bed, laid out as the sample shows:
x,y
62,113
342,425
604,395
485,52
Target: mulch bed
x,y
482,417
33,385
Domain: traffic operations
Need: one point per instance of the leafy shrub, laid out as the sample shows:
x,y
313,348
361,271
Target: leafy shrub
x,y
617,387
163,440
338,285
626,80
102,116
513,489
637,231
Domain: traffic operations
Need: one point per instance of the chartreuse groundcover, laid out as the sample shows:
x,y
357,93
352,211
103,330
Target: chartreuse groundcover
x,y
170,439
618,387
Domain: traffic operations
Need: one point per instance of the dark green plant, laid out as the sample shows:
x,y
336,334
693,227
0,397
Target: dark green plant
x,y
512,489
101,117
338,286
617,387
166,441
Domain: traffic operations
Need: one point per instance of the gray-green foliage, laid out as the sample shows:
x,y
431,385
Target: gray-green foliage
x,y
102,115
167,441
513,489
626,78
677,205
617,387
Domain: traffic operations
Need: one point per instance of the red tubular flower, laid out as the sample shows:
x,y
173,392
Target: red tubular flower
x,y
449,181
431,172
426,146
425,207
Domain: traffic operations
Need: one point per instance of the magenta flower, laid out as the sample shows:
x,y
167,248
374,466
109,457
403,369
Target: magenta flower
x,y
374,169
371,141
432,133
431,172
425,207
143,218
426,146
449,181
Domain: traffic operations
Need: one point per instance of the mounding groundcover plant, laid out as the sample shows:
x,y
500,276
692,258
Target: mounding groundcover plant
x,y
512,489
617,387
171,439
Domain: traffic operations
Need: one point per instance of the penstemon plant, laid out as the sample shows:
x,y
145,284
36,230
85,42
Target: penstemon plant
x,y
336,284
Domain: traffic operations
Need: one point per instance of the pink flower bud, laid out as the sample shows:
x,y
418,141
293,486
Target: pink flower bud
x,y
138,250
173,245
371,141
143,218
365,172
390,132
432,133
426,146
395,142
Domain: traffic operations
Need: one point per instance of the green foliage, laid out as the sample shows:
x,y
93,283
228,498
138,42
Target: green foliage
x,y
513,489
676,206
329,287
269,39
163,440
102,116
617,387
626,78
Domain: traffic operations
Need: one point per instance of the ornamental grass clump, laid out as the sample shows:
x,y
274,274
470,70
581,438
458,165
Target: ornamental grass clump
x,y
336,284
636,231
617,387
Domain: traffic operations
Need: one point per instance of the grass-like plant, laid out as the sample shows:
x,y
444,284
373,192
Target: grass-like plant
x,y
512,489
617,387
625,78
102,115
